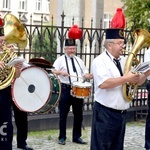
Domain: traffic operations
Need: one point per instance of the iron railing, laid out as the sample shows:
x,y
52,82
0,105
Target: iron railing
x,y
88,47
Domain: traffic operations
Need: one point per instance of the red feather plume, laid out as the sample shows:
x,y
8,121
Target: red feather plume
x,y
118,21
1,22
75,32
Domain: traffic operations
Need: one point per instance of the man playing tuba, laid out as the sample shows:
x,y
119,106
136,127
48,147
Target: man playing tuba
x,y
6,128
109,111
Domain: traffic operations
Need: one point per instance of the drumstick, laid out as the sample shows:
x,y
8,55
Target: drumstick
x,y
76,76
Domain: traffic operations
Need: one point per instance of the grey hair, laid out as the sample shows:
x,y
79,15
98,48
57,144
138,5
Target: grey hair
x,y
108,41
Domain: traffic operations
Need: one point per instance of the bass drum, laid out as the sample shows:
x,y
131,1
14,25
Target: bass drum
x,y
32,90
56,91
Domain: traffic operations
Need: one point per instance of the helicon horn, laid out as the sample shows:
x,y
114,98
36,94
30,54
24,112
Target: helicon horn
x,y
142,39
14,33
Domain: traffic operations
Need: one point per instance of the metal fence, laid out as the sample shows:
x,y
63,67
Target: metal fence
x,y
88,47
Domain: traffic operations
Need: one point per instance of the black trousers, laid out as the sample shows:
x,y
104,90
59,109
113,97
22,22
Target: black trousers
x,y
66,100
6,128
22,126
108,128
147,127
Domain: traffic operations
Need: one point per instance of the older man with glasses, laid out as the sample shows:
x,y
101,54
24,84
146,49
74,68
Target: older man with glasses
x,y
110,107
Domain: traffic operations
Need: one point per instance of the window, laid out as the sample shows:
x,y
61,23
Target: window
x,y
38,5
22,4
6,4
47,5
42,5
106,22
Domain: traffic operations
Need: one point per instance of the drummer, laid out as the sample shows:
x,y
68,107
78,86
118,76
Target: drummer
x,y
69,69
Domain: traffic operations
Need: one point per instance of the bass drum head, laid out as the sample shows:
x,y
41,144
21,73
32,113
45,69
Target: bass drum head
x,y
32,90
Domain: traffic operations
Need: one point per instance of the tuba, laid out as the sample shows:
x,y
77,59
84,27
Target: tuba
x,y
14,33
142,39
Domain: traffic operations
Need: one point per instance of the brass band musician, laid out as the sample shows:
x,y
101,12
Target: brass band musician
x,y
6,134
109,112
66,65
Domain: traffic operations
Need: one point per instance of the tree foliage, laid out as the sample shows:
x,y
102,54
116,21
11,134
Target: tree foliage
x,y
44,44
137,13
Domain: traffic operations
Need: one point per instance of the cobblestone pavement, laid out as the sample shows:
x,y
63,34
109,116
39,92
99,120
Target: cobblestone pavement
x,y
47,140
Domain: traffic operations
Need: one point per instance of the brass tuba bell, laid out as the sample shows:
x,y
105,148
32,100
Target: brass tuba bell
x,y
14,33
142,39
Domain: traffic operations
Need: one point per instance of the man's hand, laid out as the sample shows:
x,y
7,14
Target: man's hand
x,y
2,42
2,65
88,76
147,73
133,77
18,65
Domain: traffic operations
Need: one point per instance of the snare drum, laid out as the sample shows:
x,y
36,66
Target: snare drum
x,y
56,91
81,89
32,90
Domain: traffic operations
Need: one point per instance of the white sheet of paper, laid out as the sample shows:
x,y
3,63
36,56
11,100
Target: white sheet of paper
x,y
15,61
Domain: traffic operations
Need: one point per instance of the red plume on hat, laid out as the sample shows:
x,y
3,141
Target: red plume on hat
x,y
75,32
1,26
1,21
118,21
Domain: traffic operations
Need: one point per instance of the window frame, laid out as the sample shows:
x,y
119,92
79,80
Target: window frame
x,y
6,4
23,5
38,5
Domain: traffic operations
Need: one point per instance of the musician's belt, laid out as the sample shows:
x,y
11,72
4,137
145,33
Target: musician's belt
x,y
65,85
114,110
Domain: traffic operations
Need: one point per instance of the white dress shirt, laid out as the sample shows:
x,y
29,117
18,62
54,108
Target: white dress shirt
x,y
104,68
60,64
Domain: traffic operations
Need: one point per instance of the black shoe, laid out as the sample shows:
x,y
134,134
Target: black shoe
x,y
79,141
26,147
62,141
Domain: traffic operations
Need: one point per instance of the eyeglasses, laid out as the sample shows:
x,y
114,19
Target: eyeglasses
x,y
119,43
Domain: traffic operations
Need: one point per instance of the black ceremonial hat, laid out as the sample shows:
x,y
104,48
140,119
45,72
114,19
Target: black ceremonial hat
x,y
70,42
114,33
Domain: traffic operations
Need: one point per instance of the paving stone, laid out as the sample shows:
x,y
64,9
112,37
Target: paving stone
x,y
48,140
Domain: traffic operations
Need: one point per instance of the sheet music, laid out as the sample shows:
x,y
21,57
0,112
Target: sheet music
x,y
15,61
142,67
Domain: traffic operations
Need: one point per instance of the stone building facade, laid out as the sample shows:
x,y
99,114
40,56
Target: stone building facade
x,y
24,9
88,9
